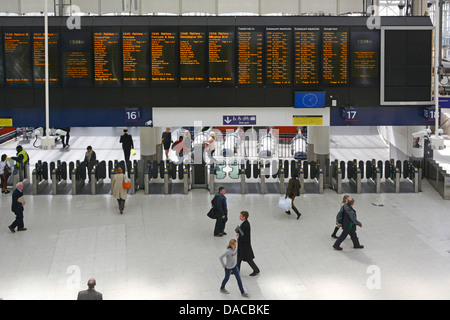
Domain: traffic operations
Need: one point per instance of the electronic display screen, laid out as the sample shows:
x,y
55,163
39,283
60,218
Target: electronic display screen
x,y
135,53
221,57
18,59
278,55
39,58
192,56
2,70
107,64
335,56
164,57
250,67
76,48
365,58
307,56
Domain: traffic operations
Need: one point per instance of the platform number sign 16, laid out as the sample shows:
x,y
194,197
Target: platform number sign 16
x,y
350,114
132,114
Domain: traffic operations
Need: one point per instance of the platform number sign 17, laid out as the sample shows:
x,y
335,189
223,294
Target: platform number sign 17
x,y
350,114
132,114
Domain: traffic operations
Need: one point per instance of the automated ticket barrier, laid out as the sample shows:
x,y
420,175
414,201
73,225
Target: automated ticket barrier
x,y
78,176
39,177
58,176
98,174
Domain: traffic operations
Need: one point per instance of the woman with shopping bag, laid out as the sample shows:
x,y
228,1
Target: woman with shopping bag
x,y
118,186
293,190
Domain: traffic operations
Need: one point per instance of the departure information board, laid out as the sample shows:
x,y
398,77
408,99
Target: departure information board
x,y
18,59
164,57
107,64
365,58
279,52
307,56
250,42
192,56
2,71
135,52
39,58
221,57
77,51
335,56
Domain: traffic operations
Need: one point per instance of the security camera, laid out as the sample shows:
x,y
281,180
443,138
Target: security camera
x,y
37,133
422,133
149,123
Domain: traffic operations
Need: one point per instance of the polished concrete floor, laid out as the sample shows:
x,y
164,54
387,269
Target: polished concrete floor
x,y
162,247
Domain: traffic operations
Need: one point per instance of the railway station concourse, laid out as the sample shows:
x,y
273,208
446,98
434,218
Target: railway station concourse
x,y
348,97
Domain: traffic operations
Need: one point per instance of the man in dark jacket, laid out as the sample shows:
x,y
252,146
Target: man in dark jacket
x,y
220,204
90,293
349,223
17,208
293,190
127,144
245,251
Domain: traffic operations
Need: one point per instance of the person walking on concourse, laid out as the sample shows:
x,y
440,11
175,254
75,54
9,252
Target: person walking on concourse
x,y
220,205
349,223
230,267
245,251
17,208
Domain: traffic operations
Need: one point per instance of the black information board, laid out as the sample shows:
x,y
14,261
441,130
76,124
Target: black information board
x,y
278,56
39,58
192,56
2,69
221,52
335,56
250,64
107,58
307,56
164,62
365,58
76,48
18,68
135,57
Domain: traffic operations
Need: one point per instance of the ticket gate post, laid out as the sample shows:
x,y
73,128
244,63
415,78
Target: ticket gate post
x,y
301,178
186,178
320,180
39,177
22,175
59,177
98,174
281,177
212,177
147,178
375,179
262,176
166,178
394,180
355,181
133,181
336,177
242,174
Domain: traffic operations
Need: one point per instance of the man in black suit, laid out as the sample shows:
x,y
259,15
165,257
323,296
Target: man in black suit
x,y
90,293
17,208
245,251
220,205
127,144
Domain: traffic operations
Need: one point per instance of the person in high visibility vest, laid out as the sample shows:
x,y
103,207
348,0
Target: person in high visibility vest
x,y
20,158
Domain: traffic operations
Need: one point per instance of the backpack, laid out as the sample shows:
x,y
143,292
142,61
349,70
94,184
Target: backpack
x,y
339,215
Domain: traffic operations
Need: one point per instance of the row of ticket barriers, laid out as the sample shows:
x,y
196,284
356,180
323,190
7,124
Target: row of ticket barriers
x,y
257,176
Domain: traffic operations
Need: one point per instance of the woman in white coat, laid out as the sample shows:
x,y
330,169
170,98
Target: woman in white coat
x,y
118,191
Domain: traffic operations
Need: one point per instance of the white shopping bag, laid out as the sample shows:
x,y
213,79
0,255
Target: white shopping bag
x,y
285,203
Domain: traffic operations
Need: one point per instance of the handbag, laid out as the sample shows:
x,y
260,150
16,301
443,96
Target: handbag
x,y
285,203
126,185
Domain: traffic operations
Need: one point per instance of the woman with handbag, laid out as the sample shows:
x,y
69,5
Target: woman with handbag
x,y
5,172
119,186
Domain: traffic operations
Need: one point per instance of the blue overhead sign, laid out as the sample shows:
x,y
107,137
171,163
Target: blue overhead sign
x,y
239,120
